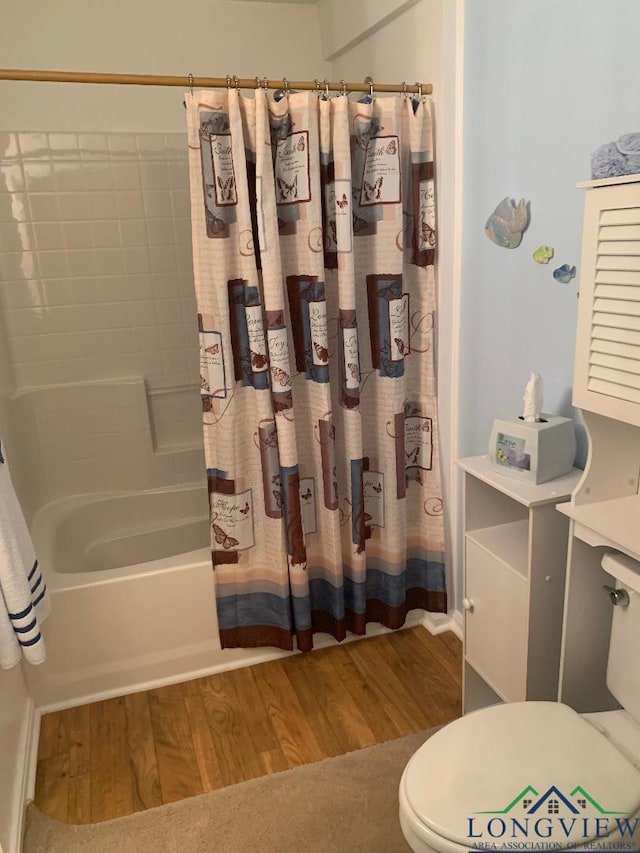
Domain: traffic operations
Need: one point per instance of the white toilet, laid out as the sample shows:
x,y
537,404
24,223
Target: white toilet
x,y
515,775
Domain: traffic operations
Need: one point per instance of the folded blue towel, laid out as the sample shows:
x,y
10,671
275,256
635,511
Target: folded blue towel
x,y
617,158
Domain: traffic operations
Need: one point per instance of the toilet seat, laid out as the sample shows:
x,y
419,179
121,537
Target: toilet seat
x,y
503,762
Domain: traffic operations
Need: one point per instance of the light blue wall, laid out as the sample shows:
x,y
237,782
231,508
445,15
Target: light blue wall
x,y
546,81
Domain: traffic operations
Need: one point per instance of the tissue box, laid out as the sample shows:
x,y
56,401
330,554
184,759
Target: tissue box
x,y
536,451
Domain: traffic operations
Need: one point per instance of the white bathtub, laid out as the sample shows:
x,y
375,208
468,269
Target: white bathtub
x,y
133,601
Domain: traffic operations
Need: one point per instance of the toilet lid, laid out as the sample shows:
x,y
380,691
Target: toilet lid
x,y
511,773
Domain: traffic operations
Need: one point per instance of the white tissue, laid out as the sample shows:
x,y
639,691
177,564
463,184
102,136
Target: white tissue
x,y
533,398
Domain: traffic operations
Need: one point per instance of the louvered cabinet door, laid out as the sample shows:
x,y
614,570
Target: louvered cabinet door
x,y
607,368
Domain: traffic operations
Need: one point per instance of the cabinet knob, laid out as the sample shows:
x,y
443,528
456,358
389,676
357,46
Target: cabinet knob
x,y
467,604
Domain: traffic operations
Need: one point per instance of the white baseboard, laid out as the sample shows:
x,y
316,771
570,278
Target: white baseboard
x,y
458,624
25,774
438,623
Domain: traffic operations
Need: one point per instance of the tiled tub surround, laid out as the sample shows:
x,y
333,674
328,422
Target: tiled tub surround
x,y
101,437
96,289
96,262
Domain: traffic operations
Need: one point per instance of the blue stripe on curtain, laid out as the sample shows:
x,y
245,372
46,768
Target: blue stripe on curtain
x,y
269,609
253,608
389,589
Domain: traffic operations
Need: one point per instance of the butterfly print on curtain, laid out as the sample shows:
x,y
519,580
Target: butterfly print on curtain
x,y
311,446
212,370
308,310
218,173
266,439
423,237
388,324
248,342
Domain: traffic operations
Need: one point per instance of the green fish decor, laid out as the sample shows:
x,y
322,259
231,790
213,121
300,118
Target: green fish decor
x,y
507,222
543,254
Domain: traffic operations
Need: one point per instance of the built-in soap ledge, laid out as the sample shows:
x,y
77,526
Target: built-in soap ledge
x,y
77,413
176,418
169,448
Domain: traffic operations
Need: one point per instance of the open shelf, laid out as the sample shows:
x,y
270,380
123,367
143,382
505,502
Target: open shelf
x,y
508,543
479,690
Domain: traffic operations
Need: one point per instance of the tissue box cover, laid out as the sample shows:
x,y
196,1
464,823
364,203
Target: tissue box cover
x,y
534,451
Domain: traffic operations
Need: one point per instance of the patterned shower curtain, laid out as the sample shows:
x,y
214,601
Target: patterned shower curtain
x,y
313,242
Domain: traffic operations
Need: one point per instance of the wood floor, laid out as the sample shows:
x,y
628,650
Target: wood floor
x,y
122,755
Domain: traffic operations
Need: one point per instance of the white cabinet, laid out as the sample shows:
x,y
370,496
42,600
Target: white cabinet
x,y
605,508
607,364
496,627
515,547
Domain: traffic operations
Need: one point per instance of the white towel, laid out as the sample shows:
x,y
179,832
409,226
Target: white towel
x,y
24,601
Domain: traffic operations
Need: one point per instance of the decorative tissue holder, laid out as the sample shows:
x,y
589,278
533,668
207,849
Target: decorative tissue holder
x,y
536,451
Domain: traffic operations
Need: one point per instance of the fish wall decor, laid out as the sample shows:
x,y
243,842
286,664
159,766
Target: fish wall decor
x,y
543,254
564,274
507,222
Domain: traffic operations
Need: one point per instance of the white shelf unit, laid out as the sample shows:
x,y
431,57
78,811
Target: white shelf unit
x,y
604,511
514,574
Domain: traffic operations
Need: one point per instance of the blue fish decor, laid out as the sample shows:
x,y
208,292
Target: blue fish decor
x,y
507,222
564,273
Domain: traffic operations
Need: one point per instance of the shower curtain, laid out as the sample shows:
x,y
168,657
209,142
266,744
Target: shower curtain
x,y
313,244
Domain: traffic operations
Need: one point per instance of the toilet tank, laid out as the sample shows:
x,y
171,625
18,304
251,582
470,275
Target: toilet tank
x,y
623,672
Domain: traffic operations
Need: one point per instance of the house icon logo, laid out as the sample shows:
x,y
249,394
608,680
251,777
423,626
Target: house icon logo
x,y
554,819
530,802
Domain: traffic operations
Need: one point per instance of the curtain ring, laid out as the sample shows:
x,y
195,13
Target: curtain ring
x,y
228,79
371,92
344,88
404,89
235,80
190,79
318,87
286,87
265,85
419,85
326,89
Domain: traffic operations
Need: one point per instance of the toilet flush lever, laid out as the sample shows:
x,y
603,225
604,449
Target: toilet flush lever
x,y
618,597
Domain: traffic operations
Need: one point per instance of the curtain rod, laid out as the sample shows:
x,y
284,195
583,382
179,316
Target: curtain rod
x,y
190,81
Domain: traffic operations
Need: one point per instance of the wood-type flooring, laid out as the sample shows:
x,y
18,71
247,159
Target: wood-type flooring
x,y
118,756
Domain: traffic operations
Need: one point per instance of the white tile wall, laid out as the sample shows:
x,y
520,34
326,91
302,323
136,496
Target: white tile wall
x,y
96,437
98,313
95,237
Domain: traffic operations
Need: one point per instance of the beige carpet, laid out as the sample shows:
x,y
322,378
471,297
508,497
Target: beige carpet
x,y
347,804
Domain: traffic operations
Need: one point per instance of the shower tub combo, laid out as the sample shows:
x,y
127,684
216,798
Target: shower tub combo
x,y
133,599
